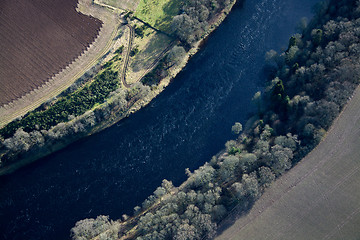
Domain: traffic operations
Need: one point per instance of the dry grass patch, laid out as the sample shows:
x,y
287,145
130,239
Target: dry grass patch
x,y
129,5
149,48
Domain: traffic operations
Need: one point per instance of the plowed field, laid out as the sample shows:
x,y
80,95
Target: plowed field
x,y
38,38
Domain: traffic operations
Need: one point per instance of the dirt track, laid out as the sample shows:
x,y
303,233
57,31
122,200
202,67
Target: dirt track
x,y
319,198
127,55
68,75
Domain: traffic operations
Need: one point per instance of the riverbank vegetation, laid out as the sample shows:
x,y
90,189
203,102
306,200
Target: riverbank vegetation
x,y
111,90
195,18
310,83
74,105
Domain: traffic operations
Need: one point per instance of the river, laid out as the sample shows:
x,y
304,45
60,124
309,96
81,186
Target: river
x,y
111,172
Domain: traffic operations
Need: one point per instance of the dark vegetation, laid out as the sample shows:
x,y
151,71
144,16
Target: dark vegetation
x,y
311,82
155,75
120,50
27,143
139,31
73,105
70,115
134,51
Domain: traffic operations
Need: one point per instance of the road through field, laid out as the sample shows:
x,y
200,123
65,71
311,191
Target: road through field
x,y
319,198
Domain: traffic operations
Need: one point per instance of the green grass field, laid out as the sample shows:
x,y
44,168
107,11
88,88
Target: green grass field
x,y
317,199
158,13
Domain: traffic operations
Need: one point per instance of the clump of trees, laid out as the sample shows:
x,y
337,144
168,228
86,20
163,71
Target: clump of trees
x,y
193,21
139,31
174,57
25,141
316,76
90,228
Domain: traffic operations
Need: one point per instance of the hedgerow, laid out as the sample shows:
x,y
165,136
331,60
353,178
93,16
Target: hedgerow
x,y
72,105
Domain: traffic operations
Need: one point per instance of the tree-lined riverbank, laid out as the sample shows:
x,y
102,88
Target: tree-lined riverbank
x,y
181,128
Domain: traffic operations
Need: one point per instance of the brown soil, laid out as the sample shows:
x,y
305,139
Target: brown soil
x,y
38,39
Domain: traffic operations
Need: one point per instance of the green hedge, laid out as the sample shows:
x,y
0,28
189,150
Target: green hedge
x,y
75,104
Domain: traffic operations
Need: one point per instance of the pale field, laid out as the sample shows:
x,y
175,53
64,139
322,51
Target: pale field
x,y
317,199
62,80
130,5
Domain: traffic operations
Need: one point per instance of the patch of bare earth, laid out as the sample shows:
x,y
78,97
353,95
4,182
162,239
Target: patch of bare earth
x,y
318,199
74,64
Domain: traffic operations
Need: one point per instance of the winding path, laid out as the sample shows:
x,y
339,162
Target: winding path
x,y
126,62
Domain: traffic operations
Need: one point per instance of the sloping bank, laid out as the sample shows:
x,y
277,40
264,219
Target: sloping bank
x,y
20,146
311,83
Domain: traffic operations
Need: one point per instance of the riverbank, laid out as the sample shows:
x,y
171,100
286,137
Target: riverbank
x,y
337,158
290,123
117,113
112,171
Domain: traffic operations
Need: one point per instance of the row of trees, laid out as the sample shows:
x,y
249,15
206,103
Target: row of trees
x,y
74,104
312,81
23,141
317,74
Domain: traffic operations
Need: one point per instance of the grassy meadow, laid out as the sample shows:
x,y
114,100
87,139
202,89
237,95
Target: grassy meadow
x,y
158,13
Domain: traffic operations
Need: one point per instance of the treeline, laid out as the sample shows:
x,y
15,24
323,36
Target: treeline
x,y
27,143
311,82
190,25
316,76
193,21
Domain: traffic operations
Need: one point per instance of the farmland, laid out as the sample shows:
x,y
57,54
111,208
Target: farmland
x,y
38,39
319,198
78,67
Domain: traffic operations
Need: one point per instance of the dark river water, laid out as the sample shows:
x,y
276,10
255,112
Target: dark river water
x,y
113,171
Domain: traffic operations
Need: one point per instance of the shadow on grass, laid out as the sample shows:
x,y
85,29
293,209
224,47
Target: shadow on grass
x,y
156,45
170,9
160,13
